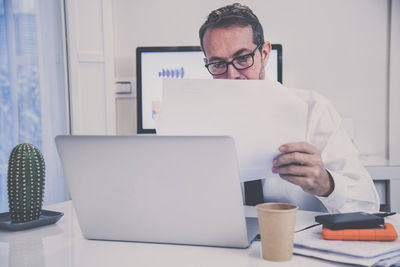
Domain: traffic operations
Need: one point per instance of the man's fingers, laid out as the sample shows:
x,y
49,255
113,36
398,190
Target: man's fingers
x,y
294,170
303,147
301,164
297,158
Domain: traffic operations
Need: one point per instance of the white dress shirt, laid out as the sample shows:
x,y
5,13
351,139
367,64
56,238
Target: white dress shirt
x,y
354,189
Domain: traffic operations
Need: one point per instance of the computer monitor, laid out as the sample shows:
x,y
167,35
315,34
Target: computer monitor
x,y
153,64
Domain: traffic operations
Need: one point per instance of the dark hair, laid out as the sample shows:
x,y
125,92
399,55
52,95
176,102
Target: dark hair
x,y
235,14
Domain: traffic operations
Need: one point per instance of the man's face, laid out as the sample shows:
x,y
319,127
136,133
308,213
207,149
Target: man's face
x,y
224,44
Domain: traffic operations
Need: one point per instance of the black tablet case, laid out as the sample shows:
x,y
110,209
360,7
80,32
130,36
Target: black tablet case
x,y
353,220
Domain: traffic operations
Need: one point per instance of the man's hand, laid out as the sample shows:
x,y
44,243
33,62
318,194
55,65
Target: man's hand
x,y
301,164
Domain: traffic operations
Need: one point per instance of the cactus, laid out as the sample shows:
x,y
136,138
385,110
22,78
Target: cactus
x,y
26,172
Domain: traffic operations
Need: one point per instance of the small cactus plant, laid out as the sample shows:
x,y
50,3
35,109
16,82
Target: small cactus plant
x,y
26,172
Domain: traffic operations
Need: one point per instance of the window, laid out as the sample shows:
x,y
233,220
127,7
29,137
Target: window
x,y
32,87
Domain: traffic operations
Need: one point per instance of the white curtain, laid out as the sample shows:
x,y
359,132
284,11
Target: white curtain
x,y
33,105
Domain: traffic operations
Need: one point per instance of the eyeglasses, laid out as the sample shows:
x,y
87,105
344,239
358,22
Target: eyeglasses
x,y
240,63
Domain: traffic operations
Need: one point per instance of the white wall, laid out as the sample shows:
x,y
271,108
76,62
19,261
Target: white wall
x,y
394,86
91,69
336,47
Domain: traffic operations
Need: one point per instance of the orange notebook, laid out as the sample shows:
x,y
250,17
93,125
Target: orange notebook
x,y
387,233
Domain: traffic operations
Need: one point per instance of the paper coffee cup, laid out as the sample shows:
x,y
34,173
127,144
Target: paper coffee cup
x,y
276,224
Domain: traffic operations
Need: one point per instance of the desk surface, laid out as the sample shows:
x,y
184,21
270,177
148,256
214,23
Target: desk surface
x,y
62,245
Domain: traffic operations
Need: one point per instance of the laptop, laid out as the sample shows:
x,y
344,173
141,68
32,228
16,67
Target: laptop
x,y
158,189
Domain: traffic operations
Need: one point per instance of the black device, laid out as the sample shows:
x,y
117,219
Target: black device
x,y
352,220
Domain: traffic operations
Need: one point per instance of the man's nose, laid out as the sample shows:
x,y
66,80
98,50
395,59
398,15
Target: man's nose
x,y
232,73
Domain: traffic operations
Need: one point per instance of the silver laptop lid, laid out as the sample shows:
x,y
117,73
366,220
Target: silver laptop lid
x,y
163,189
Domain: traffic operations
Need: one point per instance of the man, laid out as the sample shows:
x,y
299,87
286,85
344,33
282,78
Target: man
x,y
322,173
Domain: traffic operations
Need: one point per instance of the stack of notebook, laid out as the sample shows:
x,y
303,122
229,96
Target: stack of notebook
x,y
367,253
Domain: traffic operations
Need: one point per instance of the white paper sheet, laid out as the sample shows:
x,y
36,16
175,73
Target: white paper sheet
x,y
259,115
310,243
332,256
311,239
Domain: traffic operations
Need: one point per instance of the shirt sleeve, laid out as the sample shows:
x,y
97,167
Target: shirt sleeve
x,y
354,189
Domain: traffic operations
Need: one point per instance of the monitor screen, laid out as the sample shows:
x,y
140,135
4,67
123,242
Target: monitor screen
x,y
153,64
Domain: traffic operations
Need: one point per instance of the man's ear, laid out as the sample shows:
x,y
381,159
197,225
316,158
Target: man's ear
x,y
266,49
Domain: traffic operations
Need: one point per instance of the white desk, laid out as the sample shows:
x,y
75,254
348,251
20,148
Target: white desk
x,y
62,244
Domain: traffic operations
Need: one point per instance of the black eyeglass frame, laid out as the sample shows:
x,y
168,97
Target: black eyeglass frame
x,y
231,62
